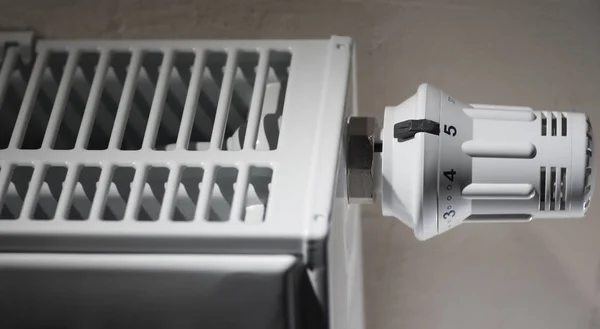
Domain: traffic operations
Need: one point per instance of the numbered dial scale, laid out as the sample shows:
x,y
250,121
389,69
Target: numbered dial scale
x,y
445,162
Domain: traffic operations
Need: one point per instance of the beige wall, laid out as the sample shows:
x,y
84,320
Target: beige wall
x,y
541,53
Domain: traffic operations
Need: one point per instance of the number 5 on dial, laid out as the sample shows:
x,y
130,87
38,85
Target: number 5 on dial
x,y
450,130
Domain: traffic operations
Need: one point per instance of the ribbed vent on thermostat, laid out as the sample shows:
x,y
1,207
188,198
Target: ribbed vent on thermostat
x,y
553,124
553,182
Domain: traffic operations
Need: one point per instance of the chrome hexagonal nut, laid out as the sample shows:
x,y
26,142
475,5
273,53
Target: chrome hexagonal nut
x,y
360,148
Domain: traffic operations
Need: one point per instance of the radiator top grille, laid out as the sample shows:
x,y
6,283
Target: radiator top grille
x,y
212,99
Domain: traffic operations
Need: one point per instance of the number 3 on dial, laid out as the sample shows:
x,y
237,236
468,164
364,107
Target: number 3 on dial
x,y
449,214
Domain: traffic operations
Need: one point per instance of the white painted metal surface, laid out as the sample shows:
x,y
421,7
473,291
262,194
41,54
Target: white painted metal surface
x,y
151,291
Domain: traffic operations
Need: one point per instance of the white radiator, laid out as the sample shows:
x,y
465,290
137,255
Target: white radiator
x,y
138,157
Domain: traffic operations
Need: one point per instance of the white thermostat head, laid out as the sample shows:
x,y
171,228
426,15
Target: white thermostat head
x,y
445,162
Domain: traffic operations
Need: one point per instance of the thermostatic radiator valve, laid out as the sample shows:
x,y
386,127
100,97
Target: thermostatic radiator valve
x,y
438,162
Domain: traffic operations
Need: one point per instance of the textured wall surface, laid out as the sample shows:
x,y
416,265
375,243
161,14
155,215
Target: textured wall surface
x,y
540,53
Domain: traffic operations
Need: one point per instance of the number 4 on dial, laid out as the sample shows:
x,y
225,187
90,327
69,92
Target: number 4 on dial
x,y
450,174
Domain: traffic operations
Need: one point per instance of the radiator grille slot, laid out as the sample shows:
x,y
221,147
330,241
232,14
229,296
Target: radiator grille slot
x,y
186,194
153,194
48,192
118,192
68,111
144,78
15,191
105,80
257,195
221,194
14,76
84,191
36,111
